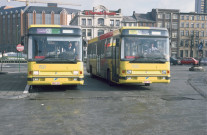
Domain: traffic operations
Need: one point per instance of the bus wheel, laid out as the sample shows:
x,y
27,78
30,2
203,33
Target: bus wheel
x,y
147,84
91,74
109,78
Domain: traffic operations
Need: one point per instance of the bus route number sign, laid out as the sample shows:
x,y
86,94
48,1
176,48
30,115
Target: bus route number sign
x,y
20,48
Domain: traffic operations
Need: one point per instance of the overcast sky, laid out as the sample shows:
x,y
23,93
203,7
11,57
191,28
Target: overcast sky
x,y
127,6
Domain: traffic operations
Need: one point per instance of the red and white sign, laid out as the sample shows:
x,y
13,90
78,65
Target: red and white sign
x,y
99,13
20,47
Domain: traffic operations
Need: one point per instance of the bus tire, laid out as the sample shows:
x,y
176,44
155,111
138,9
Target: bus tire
x,y
91,74
147,84
109,78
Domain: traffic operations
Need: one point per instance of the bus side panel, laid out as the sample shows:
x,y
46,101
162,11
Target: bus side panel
x,y
55,74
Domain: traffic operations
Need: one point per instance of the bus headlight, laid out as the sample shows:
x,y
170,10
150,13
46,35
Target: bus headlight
x,y
75,72
35,72
164,72
129,72
35,79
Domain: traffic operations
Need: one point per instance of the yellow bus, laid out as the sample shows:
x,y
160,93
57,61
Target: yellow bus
x,y
55,55
130,55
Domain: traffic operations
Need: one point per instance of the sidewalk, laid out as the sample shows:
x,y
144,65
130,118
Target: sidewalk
x,y
12,85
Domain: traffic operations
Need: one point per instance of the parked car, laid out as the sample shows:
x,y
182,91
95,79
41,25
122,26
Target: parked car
x,y
189,61
203,61
174,61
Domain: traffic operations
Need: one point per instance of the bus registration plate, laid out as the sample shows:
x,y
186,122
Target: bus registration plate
x,y
55,83
146,81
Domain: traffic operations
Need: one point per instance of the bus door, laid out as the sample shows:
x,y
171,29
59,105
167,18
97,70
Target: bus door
x,y
115,59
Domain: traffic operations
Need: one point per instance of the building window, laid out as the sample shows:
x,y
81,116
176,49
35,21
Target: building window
x,y
197,25
202,34
205,42
186,53
182,25
186,33
174,44
197,17
202,18
47,18
167,16
167,24
192,33
89,22
187,25
57,19
187,17
159,24
175,16
100,32
130,24
117,22
124,24
89,32
181,53
192,25
101,21
175,25
30,16
182,17
38,18
84,32
182,32
174,34
141,24
202,25
192,18
111,22
181,42
197,33
186,43
159,16
83,22
135,24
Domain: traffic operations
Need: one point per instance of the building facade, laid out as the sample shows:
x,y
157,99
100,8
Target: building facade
x,y
169,18
98,21
193,32
137,19
14,22
201,6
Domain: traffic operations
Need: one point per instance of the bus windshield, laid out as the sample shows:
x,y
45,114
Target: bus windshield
x,y
55,48
145,50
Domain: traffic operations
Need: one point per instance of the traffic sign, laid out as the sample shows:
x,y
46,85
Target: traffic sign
x,y
20,47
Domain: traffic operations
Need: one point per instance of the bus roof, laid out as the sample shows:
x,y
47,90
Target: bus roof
x,y
119,31
52,26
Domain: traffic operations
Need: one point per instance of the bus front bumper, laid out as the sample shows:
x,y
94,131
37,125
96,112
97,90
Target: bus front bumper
x,y
55,81
144,79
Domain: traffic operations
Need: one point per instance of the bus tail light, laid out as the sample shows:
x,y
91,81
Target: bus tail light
x,y
168,71
81,72
123,71
30,72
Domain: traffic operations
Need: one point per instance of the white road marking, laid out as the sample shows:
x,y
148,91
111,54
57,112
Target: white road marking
x,y
26,90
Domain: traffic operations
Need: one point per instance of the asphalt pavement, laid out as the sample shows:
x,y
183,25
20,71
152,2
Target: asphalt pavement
x,y
13,81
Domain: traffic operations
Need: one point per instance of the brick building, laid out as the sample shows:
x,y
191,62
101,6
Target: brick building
x,y
14,22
